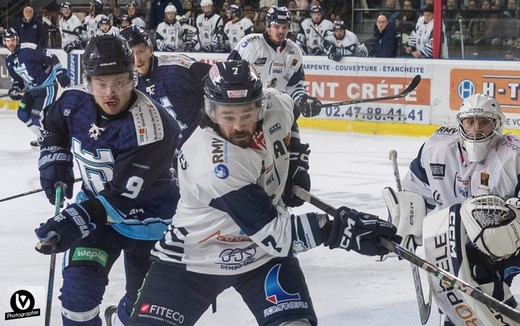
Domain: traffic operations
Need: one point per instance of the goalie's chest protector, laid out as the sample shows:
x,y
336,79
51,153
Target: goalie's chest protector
x,y
444,239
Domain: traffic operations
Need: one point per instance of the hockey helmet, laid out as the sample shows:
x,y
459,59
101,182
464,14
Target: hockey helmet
x,y
278,15
338,24
235,9
233,82
204,3
65,5
316,10
102,19
10,33
481,122
170,8
107,55
135,35
98,4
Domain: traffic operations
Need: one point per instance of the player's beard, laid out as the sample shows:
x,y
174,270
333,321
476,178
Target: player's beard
x,y
241,138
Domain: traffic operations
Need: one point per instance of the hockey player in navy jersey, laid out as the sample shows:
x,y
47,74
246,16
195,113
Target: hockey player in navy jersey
x,y
33,71
175,80
123,143
232,227
278,60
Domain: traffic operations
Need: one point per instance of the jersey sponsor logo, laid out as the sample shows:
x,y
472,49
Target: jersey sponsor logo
x,y
462,186
218,150
236,258
260,62
90,254
161,312
221,171
446,130
274,128
438,170
281,299
226,237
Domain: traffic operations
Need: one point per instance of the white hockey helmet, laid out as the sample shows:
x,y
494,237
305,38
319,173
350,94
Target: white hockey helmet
x,y
481,123
204,3
170,8
492,225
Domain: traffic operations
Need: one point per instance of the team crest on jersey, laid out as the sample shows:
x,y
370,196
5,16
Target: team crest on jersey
x,y
462,186
260,62
95,131
277,126
150,90
221,171
438,170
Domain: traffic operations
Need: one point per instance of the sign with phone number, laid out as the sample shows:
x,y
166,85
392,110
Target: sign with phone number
x,y
377,113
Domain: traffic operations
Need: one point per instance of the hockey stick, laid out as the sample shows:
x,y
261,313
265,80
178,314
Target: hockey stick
x,y
424,307
30,89
413,85
447,278
52,268
23,194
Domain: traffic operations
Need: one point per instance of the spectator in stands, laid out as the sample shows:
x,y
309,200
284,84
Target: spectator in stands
x,y
132,12
406,22
105,27
420,43
267,3
313,31
302,4
451,16
31,28
296,19
392,10
508,26
189,11
491,20
174,35
385,38
260,23
514,52
69,25
210,28
157,11
342,43
477,25
237,26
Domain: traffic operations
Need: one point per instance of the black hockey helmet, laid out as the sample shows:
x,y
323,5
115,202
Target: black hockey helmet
x,y
65,5
316,9
107,55
9,33
136,35
98,5
278,15
236,9
233,82
338,24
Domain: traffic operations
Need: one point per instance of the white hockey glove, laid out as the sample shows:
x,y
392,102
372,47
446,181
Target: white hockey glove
x,y
407,210
492,224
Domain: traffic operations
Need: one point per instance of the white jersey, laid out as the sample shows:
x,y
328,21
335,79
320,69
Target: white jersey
x,y
169,34
235,31
279,67
230,218
91,23
422,39
67,26
347,45
443,175
137,21
311,35
207,28
112,31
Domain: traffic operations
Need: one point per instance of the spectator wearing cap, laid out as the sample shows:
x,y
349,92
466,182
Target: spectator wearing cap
x,y
237,26
31,28
385,38
343,43
69,25
157,11
210,27
105,27
174,35
132,12
313,31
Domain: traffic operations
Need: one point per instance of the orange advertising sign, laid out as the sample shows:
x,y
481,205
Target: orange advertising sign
x,y
335,88
503,85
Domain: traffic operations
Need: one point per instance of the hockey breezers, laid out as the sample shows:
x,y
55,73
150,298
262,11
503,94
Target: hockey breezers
x,y
448,278
424,307
412,86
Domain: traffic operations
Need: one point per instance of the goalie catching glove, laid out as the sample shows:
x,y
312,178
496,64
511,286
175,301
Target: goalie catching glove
x,y
492,224
353,230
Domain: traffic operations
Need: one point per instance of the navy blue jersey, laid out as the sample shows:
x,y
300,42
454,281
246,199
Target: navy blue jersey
x,y
176,83
118,159
33,66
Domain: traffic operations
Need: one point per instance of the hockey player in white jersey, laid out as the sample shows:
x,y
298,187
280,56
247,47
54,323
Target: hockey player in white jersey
x,y
210,28
91,20
237,26
105,27
278,60
171,35
232,228
420,43
456,163
313,31
69,25
343,43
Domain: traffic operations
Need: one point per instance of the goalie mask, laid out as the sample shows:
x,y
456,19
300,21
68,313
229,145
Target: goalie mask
x,y
480,121
492,225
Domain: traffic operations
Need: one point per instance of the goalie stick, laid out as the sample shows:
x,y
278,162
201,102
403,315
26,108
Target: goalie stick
x,y
413,85
424,307
448,278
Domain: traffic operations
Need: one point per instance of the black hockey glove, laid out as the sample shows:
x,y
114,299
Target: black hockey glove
x,y
308,106
335,56
63,78
298,175
55,164
168,48
353,230
64,229
15,93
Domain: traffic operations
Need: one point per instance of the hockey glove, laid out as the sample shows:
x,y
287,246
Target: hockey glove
x,y
298,175
64,229
352,230
63,78
308,106
55,164
168,48
335,56
15,93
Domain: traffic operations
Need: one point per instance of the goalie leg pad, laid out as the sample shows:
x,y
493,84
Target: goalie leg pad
x,y
407,210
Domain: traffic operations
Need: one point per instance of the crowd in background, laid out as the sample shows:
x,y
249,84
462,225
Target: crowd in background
x,y
484,28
